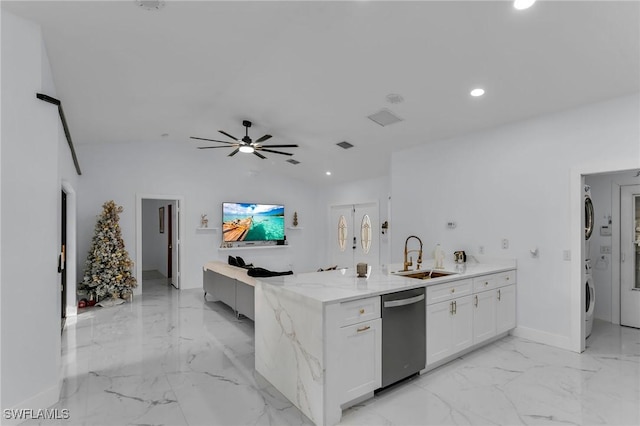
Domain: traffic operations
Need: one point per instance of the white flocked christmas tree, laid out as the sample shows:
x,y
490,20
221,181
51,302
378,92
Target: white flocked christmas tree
x,y
108,268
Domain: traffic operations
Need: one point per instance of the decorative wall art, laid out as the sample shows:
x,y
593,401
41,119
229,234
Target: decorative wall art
x,y
161,217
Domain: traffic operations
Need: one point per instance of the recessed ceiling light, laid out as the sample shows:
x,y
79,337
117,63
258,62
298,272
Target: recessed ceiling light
x,y
523,4
477,92
328,173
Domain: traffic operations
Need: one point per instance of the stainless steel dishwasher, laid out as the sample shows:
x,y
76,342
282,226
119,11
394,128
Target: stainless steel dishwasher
x,y
403,335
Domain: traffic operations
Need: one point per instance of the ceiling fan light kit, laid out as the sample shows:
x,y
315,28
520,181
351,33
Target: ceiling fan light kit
x,y
246,145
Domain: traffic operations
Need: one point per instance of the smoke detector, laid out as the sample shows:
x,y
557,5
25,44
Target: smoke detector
x,y
150,4
384,117
394,98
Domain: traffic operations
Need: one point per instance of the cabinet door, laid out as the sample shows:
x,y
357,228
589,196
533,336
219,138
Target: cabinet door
x,y
484,316
361,356
462,324
439,329
506,308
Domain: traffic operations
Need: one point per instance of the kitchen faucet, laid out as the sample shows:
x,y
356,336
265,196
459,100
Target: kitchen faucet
x,y
408,261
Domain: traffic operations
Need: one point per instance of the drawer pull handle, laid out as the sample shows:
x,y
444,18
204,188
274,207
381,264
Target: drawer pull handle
x,y
486,283
453,290
361,311
507,278
365,328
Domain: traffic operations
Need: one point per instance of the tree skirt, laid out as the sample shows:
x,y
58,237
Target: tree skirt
x,y
110,302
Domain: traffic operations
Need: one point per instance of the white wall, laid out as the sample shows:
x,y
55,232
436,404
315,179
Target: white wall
x,y
30,222
512,182
603,197
205,180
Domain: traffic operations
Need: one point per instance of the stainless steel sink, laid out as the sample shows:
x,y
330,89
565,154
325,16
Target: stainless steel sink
x,y
424,274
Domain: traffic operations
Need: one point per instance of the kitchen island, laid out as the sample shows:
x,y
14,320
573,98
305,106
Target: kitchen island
x,y
318,336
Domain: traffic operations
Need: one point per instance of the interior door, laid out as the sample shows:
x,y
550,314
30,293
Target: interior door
x,y
62,261
170,241
630,256
175,242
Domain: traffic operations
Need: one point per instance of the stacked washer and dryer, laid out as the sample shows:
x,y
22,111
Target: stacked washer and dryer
x,y
589,289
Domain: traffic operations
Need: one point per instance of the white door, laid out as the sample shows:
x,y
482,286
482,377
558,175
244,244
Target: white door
x,y
630,256
462,327
355,238
439,331
341,235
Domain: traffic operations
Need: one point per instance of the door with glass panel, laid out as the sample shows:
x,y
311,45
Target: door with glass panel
x,y
354,233
630,256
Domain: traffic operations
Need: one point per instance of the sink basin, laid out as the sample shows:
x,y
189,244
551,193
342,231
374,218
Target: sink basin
x,y
425,274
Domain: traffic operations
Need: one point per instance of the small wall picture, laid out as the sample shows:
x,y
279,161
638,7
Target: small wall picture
x,y
161,216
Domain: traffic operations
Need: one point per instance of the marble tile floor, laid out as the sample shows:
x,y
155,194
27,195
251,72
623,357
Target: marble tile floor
x,y
170,358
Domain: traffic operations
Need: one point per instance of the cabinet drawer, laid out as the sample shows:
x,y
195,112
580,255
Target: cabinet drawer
x,y
448,291
360,310
488,282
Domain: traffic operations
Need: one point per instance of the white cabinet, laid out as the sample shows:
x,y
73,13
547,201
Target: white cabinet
x,y
448,328
360,346
464,313
361,363
506,308
484,316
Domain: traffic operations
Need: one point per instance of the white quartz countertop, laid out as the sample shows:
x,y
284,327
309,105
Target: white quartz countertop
x,y
343,284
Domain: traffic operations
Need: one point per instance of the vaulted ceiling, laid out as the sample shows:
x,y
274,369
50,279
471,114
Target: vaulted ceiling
x,y
310,72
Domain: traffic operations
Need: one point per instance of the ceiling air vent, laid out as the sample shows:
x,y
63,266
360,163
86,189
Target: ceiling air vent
x,y
384,117
292,161
345,145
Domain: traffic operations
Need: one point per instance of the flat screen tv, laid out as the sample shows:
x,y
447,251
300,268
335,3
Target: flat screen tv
x,y
252,222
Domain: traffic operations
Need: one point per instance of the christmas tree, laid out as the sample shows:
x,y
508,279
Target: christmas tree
x,y
108,269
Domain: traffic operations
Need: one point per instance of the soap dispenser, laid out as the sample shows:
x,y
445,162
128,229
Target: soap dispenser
x,y
438,255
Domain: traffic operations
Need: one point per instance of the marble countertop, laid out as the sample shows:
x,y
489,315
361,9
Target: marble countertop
x,y
342,285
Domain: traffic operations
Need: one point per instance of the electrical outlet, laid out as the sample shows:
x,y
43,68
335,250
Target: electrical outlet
x,y
566,255
605,249
481,249
505,243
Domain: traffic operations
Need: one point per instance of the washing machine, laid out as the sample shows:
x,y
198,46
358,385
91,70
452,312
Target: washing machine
x,y
589,297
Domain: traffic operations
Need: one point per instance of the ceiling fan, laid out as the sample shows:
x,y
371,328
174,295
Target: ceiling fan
x,y
246,145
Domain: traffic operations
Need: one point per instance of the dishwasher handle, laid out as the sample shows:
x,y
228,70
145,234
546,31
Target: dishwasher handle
x,y
403,302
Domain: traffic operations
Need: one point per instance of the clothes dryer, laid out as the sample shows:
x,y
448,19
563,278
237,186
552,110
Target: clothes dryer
x,y
589,297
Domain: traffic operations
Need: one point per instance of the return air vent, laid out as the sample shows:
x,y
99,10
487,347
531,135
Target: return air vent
x,y
345,145
384,117
292,161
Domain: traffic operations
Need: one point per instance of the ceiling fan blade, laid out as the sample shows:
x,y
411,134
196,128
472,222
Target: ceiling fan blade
x,y
280,146
227,134
211,147
212,140
259,155
264,138
275,152
234,152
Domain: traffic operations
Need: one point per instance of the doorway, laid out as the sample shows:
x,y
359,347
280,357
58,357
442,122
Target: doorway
x,y
630,256
62,259
355,237
159,245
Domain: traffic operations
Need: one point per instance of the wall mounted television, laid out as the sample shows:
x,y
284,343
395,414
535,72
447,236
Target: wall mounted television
x,y
247,223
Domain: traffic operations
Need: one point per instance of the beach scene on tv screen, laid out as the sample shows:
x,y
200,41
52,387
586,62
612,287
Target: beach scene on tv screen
x,y
252,222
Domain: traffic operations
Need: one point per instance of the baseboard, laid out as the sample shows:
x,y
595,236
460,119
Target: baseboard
x,y
556,340
41,401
